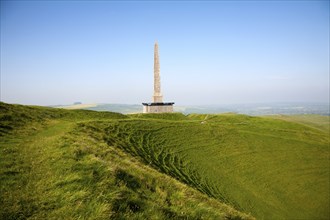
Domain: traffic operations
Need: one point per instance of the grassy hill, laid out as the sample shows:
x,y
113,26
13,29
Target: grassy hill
x,y
54,166
70,164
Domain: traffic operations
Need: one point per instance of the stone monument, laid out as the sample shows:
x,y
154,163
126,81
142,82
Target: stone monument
x,y
157,106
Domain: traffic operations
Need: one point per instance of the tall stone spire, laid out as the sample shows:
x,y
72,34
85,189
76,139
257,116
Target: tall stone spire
x,y
157,106
157,92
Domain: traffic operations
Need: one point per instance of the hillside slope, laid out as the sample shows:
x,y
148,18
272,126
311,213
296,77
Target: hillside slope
x,y
54,166
272,168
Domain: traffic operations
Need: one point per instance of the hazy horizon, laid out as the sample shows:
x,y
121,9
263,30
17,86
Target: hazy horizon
x,y
293,103
211,53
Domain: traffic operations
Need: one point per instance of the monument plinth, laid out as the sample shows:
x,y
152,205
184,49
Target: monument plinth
x,y
157,106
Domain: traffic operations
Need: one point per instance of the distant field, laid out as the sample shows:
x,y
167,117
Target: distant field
x,y
320,122
57,163
78,106
248,109
121,108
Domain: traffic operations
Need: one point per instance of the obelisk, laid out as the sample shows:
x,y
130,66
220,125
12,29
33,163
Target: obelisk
x,y
157,93
157,106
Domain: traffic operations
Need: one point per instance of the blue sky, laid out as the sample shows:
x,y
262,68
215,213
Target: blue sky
x,y
213,52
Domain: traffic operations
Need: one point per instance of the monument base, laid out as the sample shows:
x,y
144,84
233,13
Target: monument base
x,y
158,107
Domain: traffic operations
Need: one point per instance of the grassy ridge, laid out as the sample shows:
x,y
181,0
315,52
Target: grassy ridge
x,y
56,165
13,117
271,168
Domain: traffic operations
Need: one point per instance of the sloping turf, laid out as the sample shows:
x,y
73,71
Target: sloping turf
x,y
271,168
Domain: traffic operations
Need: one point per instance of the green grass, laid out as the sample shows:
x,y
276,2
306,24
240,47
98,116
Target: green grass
x,y
55,166
83,164
271,168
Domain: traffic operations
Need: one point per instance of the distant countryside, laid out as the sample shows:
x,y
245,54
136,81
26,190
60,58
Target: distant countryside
x,y
249,109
